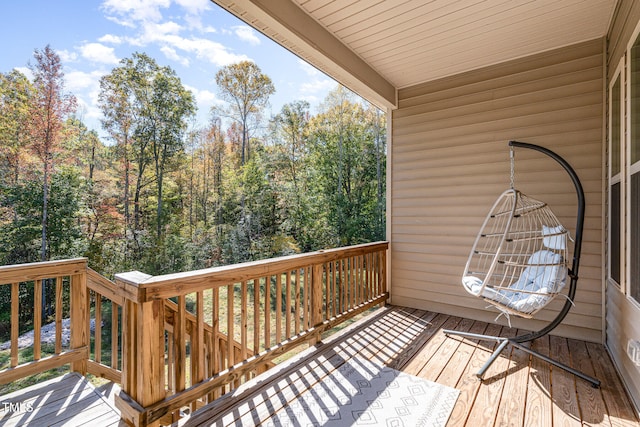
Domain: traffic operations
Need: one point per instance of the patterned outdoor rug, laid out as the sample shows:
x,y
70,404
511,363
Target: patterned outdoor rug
x,y
360,393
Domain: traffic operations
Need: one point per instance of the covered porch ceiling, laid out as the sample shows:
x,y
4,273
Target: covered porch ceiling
x,y
376,47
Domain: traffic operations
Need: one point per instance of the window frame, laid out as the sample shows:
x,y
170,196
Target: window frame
x,y
617,178
628,169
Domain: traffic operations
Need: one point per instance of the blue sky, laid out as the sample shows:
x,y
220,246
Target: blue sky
x,y
194,37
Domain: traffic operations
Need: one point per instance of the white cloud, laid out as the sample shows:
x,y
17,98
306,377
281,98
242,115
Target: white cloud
x,y
26,71
153,32
204,98
110,38
86,87
246,34
317,86
97,52
171,54
130,11
194,7
204,49
309,69
81,81
66,56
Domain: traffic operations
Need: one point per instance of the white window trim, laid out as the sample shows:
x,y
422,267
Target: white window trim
x,y
617,178
627,169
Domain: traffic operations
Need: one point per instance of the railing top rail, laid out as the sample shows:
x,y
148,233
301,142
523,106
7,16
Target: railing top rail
x,y
41,270
171,285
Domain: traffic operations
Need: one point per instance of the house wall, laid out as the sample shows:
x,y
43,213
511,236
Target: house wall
x,y
622,314
450,161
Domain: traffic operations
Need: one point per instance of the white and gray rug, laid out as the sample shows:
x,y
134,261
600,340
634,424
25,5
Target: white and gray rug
x,y
361,393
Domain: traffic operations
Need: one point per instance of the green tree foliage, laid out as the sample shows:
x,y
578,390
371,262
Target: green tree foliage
x,y
247,91
344,149
158,196
48,109
15,97
146,112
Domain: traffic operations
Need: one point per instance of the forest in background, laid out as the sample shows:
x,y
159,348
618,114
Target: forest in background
x,y
163,193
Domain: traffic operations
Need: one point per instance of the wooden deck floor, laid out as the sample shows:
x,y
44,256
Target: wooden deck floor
x,y
69,400
516,391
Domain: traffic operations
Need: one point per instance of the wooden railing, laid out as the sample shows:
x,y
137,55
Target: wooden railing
x,y
176,358
105,298
79,295
179,341
68,278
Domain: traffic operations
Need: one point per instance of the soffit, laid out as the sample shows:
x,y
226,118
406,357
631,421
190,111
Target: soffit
x,y
369,45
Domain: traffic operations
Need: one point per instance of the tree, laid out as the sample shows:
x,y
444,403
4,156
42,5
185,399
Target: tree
x,y
117,103
146,110
247,90
15,97
345,146
290,140
48,110
164,124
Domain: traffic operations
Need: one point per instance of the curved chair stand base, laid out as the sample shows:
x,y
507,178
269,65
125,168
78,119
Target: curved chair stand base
x,y
504,342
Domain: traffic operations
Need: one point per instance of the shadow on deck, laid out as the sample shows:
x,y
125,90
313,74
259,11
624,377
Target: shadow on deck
x,y
68,400
517,390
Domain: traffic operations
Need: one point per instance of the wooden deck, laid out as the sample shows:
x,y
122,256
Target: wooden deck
x,y
516,390
69,400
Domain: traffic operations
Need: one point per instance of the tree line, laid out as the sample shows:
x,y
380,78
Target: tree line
x,y
163,193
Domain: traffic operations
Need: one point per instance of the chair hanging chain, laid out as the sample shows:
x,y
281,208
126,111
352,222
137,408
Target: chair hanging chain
x,y
512,176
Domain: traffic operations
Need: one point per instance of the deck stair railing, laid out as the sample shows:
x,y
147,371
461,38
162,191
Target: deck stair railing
x,y
176,342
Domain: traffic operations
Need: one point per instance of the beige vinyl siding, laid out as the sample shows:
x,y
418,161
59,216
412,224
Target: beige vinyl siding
x,y
622,314
450,161
622,325
624,23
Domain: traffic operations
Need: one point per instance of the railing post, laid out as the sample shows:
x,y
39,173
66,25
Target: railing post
x,y
316,299
79,314
143,370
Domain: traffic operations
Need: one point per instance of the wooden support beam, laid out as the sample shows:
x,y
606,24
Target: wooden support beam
x,y
79,318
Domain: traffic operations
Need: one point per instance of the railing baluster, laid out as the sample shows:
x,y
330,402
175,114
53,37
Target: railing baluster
x,y
342,290
330,288
216,352
306,299
114,335
245,323
230,321
58,305
279,307
37,318
15,323
267,312
288,306
298,286
97,339
180,340
256,316
171,364
199,346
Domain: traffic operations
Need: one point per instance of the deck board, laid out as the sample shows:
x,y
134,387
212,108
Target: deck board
x,y
511,407
518,389
65,400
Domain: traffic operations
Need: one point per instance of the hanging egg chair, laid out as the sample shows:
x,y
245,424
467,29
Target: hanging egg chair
x,y
519,262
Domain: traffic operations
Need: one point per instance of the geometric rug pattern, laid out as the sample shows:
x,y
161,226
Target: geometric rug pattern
x,y
361,393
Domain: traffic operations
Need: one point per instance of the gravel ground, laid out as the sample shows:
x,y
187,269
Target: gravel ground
x,y
47,335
